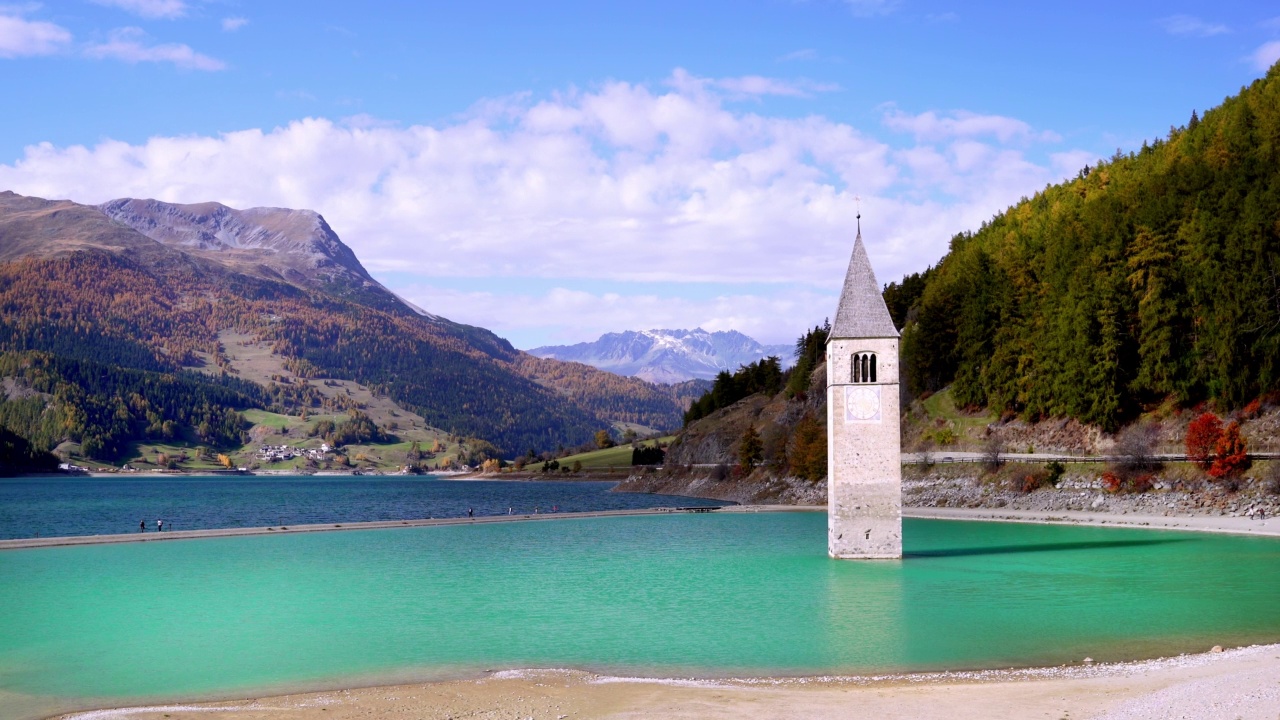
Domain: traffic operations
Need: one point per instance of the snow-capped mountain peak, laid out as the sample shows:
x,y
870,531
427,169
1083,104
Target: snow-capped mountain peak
x,y
668,356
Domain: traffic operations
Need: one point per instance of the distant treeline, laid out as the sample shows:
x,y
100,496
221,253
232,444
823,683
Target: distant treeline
x,y
357,429
1153,275
106,407
761,376
18,456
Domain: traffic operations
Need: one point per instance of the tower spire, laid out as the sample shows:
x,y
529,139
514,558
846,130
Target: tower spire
x,y
862,312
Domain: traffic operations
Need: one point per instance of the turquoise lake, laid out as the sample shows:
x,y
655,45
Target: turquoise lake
x,y
706,595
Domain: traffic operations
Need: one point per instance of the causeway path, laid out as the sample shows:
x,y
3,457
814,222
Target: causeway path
x,y
24,543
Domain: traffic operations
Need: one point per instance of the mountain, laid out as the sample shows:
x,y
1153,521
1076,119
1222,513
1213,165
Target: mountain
x,y
129,318
1153,277
668,356
296,246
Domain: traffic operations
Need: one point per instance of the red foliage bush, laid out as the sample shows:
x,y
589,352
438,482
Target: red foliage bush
x,y
1252,410
1232,454
1111,482
1142,483
1034,481
1202,439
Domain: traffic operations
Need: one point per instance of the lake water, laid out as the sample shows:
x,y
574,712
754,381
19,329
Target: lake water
x,y
105,506
731,594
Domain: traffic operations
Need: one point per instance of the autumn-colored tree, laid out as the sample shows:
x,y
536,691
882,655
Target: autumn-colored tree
x,y
1231,453
1202,439
577,466
604,439
225,461
808,453
750,448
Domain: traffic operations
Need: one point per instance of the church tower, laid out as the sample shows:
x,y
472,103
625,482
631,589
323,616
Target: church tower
x,y
864,440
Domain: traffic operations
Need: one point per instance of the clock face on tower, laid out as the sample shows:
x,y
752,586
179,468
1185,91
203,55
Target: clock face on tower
x,y
862,404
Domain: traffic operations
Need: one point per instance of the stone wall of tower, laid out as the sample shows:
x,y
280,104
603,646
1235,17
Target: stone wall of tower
x,y
864,452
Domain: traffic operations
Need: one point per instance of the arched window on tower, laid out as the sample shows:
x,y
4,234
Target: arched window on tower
x,y
864,368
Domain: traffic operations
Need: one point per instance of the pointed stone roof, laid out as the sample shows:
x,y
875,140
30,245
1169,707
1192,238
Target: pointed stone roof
x,y
862,312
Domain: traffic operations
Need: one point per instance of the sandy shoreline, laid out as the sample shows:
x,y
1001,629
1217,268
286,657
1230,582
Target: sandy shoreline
x,y
1238,683
1241,683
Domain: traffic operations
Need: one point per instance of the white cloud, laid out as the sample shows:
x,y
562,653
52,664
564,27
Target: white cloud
x,y
748,86
870,8
19,8
154,9
756,86
930,127
805,54
1266,55
294,95
1189,25
231,24
666,184
129,45
22,38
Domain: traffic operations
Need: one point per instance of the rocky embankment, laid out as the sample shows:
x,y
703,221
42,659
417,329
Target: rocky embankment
x,y
756,489
967,486
1085,492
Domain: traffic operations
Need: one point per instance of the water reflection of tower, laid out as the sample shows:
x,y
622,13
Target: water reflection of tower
x,y
864,627
864,445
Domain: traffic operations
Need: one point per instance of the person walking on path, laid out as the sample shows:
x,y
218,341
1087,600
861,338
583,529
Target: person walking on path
x,y
471,513
142,526
159,525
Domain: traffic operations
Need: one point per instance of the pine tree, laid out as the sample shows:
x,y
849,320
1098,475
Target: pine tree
x,y
750,448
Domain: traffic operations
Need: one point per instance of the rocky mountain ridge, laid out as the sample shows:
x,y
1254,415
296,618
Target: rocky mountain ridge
x,y
297,246
668,356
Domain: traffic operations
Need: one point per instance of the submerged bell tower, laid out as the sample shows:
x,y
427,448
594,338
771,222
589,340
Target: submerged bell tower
x,y
864,438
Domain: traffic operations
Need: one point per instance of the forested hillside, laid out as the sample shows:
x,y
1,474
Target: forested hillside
x,y
100,321
1153,275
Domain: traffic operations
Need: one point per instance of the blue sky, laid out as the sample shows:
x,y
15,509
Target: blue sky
x,y
557,170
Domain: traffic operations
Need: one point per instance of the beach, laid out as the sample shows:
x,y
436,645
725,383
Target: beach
x,y
1237,683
